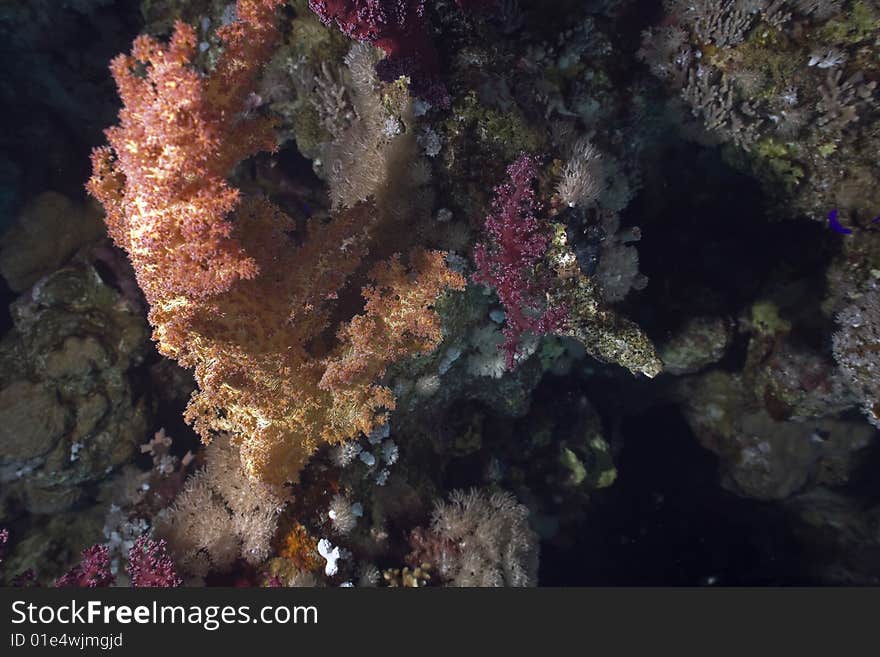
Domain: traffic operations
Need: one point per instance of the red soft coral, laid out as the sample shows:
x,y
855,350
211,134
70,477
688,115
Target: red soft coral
x,y
150,566
397,27
510,259
93,571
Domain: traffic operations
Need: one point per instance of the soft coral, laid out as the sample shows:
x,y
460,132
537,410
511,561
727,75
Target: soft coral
x,y
510,259
397,27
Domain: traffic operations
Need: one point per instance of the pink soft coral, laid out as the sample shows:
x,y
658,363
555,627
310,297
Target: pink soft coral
x,y
93,571
150,566
510,259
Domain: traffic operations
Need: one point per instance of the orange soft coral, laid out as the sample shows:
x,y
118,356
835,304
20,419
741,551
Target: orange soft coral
x,y
162,179
301,549
231,294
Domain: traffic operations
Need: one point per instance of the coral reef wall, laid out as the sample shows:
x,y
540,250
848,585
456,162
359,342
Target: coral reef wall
x,y
435,293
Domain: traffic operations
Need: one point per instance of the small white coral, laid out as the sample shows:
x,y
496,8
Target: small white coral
x,y
488,359
390,452
449,357
827,58
618,269
430,142
343,514
368,576
379,434
331,554
344,454
427,385
382,477
590,178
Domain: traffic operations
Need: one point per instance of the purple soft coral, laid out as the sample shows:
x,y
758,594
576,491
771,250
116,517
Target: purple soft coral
x,y
509,259
398,28
4,538
92,571
150,566
835,224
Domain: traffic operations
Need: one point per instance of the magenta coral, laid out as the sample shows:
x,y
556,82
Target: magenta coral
x,y
509,260
4,538
149,565
93,570
398,28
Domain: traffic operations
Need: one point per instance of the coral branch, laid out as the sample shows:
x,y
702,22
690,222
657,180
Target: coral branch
x,y
162,178
398,28
509,261
93,571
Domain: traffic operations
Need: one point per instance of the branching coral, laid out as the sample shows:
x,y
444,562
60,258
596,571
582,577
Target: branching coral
x,y
397,27
726,22
92,572
162,180
510,260
843,100
791,85
233,293
534,269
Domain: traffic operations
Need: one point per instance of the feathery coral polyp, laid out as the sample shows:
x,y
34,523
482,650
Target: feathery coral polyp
x,y
231,294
